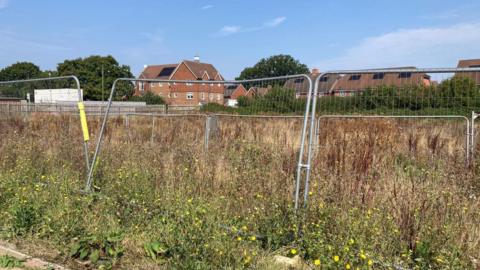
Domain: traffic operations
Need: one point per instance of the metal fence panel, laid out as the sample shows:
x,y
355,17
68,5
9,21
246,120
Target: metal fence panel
x,y
396,93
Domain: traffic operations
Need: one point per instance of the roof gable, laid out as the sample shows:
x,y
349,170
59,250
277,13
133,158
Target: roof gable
x,y
198,69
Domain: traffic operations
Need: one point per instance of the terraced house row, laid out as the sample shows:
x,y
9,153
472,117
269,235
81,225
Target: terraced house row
x,y
194,94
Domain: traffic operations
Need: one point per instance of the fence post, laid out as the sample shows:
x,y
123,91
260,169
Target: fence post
x,y
472,138
207,132
153,128
211,128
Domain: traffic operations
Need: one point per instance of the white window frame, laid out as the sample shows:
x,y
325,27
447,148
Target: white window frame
x,y
202,95
210,96
189,95
219,97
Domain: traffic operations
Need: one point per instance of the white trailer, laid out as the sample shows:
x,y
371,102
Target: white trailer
x,y
57,95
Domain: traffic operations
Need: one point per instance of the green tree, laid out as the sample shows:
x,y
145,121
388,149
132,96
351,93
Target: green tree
x,y
89,72
277,65
20,71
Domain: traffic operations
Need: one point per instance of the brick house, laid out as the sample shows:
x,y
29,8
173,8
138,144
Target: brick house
x,y
470,63
185,94
258,91
348,84
233,92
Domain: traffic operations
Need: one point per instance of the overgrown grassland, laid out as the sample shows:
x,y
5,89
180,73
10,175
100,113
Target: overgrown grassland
x,y
384,194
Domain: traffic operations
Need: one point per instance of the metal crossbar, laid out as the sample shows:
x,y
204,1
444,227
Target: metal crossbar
x,y
313,109
80,99
304,129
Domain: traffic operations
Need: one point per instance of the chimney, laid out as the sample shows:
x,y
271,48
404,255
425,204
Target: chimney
x,y
315,71
196,58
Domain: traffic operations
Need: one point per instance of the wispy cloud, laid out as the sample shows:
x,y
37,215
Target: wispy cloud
x,y
275,22
155,37
422,47
206,7
230,29
460,12
149,50
235,29
4,4
41,49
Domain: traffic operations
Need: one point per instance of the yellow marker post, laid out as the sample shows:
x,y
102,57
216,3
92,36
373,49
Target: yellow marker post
x,y
83,121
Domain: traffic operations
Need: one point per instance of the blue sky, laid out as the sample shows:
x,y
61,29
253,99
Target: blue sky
x,y
233,34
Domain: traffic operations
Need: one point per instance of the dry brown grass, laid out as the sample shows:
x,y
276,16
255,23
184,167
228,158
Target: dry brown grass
x,y
411,171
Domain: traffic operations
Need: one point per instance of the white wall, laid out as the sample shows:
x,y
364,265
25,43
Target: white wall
x,y
232,103
56,95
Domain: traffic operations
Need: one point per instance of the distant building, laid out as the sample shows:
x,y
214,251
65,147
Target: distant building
x,y
56,95
232,93
470,63
348,84
258,91
188,94
10,100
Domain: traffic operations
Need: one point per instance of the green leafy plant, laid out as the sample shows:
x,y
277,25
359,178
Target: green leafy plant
x,y
24,218
155,250
10,262
98,250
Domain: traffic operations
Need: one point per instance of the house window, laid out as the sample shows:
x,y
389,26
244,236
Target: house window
x,y
174,95
355,77
219,85
324,79
142,87
404,75
203,95
210,96
378,76
160,84
189,84
219,97
190,95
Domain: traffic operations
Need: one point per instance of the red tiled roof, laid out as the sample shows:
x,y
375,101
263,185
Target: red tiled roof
x,y
199,69
153,72
468,64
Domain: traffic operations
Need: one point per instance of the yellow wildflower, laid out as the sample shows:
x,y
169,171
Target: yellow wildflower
x,y
370,262
336,258
347,266
293,251
316,262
